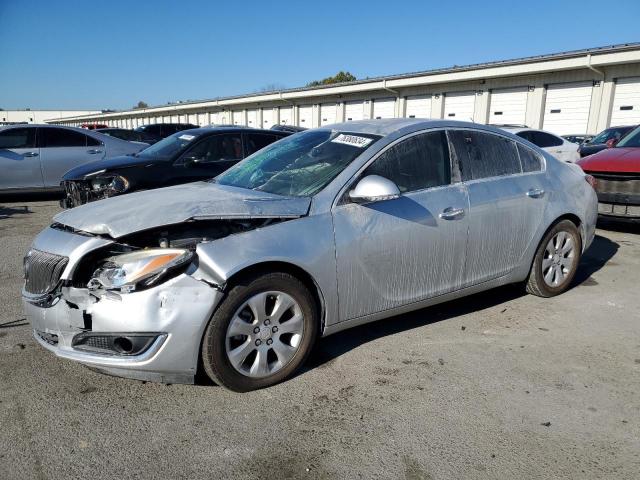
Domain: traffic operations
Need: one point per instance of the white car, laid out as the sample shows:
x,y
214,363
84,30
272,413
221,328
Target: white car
x,y
560,148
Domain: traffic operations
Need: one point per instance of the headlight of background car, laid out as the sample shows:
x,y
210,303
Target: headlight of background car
x,y
115,184
143,268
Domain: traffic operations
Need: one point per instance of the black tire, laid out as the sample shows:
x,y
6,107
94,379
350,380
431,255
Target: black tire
x,y
214,355
536,284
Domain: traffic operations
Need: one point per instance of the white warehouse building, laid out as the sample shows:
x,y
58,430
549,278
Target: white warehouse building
x,y
9,117
573,92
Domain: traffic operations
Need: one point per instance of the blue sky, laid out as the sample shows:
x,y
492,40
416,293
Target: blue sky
x,y
110,54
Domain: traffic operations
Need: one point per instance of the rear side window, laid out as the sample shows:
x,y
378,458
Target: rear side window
x,y
60,137
531,161
541,139
484,155
18,138
419,162
257,142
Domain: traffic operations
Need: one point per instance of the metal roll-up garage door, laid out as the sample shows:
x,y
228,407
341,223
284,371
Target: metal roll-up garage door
x,y
567,108
327,113
354,110
238,117
384,108
286,115
508,106
267,118
626,102
252,118
418,106
192,118
202,119
305,116
459,106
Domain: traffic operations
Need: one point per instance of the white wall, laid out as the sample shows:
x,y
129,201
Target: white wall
x,y
40,116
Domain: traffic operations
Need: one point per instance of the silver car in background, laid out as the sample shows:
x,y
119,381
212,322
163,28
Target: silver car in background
x,y
321,231
35,157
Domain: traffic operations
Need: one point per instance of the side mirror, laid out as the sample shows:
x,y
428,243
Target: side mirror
x,y
374,188
612,142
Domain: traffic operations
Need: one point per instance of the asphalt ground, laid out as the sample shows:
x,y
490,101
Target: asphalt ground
x,y
497,385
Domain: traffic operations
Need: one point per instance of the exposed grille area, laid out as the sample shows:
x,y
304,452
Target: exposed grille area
x,y
42,271
618,183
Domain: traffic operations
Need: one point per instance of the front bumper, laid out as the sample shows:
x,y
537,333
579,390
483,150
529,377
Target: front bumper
x,y
175,313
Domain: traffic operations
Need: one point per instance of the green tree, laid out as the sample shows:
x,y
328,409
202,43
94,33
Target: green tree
x,y
141,104
339,77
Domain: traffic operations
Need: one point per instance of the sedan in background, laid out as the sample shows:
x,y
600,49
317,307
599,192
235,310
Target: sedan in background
x,y
35,157
158,131
617,173
325,230
562,149
183,157
605,139
128,135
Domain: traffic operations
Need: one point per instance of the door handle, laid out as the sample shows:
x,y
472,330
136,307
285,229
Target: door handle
x,y
535,193
451,213
93,151
30,154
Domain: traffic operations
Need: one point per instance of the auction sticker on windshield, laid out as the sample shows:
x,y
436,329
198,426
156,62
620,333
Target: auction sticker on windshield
x,y
186,137
353,140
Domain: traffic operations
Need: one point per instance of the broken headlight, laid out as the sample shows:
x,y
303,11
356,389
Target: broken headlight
x,y
115,184
143,268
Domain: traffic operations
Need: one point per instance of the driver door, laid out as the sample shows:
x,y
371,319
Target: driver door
x,y
395,252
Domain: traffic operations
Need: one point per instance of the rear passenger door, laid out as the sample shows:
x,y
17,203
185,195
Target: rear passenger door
x,y
19,159
63,149
506,201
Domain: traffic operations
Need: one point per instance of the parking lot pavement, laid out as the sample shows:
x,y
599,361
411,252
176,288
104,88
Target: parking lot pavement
x,y
498,385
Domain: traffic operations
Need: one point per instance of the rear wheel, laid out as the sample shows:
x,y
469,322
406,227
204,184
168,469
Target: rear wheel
x,y
556,260
261,333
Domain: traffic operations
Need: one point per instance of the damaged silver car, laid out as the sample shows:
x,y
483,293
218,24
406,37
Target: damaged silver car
x,y
324,230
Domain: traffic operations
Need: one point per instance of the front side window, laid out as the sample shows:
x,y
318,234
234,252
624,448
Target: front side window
x,y
217,148
419,162
15,138
300,165
484,155
632,139
60,137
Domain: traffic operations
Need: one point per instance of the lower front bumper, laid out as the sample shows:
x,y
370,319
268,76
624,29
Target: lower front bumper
x,y
622,211
177,312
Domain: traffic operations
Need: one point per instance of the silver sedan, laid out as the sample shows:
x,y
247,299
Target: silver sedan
x,y
35,157
321,231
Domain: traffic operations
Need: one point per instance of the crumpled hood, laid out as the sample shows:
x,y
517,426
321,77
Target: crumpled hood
x,y
125,214
79,172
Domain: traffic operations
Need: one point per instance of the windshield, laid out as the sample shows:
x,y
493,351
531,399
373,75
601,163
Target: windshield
x,y
168,147
608,134
632,139
300,165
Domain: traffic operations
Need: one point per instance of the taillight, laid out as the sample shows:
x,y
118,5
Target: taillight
x,y
591,180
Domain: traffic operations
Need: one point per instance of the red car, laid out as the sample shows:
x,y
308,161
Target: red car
x,y
617,172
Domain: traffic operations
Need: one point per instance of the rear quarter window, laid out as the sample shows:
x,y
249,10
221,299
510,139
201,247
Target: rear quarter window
x,y
530,160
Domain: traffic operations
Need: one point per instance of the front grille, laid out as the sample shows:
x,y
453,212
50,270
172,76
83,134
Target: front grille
x,y
42,271
617,183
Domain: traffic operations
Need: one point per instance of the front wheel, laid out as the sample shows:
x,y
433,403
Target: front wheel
x,y
261,333
556,260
